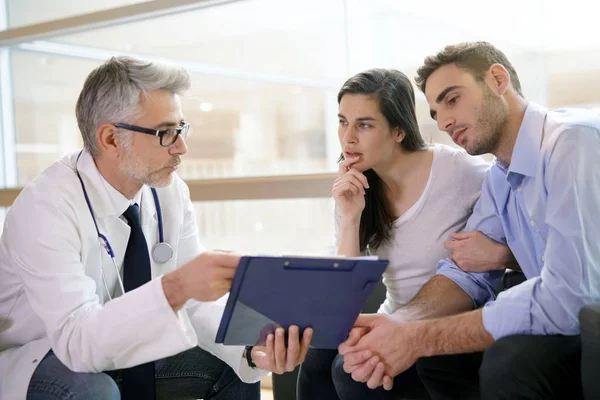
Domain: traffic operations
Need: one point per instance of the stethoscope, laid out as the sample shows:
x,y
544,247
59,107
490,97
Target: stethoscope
x,y
161,251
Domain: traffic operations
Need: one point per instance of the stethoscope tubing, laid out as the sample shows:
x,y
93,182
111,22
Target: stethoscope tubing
x,y
106,244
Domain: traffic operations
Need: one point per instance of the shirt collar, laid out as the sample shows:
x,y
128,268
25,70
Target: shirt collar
x,y
526,152
105,199
120,202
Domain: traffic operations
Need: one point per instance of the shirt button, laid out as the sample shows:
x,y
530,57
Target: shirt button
x,y
519,187
531,222
543,258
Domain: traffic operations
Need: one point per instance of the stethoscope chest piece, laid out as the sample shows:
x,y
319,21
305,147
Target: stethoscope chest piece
x,y
162,252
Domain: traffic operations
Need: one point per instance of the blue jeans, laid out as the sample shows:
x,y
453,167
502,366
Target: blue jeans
x,y
322,376
193,374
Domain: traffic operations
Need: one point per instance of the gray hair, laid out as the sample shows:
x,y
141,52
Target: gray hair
x,y
111,93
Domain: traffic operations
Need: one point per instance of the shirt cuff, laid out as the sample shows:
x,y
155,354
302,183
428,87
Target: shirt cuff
x,y
179,318
510,314
245,372
479,293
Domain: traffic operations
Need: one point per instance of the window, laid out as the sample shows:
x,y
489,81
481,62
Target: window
x,y
281,226
239,127
263,86
265,74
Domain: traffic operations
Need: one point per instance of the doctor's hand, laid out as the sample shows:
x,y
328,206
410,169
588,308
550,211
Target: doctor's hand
x,y
204,278
349,189
475,252
381,348
275,357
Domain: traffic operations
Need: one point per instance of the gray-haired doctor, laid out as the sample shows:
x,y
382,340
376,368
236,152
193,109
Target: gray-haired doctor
x,y
105,290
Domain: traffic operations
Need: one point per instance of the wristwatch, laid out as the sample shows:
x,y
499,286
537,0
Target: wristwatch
x,y
249,356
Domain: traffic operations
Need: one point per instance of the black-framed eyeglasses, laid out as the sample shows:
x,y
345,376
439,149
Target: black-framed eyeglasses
x,y
167,136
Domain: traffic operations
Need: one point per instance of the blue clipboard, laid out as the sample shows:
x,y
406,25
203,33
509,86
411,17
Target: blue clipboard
x,y
326,294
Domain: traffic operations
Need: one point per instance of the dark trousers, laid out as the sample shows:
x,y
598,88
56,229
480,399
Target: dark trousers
x,y
514,367
192,374
322,377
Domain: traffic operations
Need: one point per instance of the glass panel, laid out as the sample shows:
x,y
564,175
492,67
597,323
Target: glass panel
x,y
573,78
298,226
246,128
239,127
555,50
28,12
400,35
46,88
283,37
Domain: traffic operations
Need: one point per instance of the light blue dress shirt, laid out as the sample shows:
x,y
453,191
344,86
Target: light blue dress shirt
x,y
544,206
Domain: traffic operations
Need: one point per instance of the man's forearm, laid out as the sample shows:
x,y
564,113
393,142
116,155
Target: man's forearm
x,y
463,333
439,297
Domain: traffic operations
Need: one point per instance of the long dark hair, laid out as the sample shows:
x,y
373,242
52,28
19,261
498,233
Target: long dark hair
x,y
396,98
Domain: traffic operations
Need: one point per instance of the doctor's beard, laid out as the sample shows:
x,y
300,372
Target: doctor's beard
x,y
135,168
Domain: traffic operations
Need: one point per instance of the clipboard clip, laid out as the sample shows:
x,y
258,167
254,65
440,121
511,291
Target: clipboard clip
x,y
317,264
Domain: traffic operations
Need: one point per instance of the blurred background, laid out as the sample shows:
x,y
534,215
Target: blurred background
x,y
265,74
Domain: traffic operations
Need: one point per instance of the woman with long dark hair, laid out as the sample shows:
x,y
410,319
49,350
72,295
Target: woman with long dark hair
x,y
396,197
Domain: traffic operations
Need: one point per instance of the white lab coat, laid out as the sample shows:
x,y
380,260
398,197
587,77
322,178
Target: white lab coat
x,y
51,289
